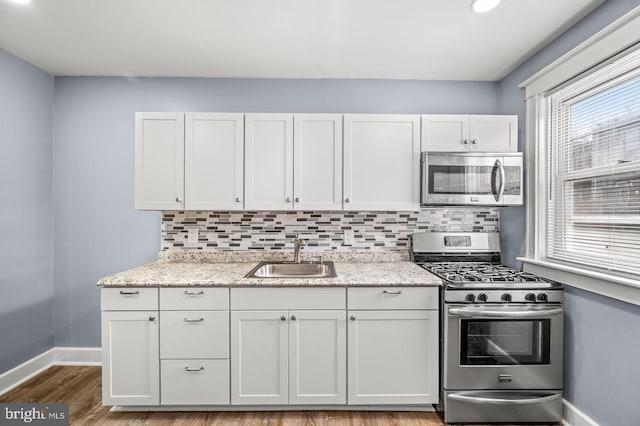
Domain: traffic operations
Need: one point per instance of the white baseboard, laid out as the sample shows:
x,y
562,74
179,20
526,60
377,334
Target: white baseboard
x,y
571,416
54,356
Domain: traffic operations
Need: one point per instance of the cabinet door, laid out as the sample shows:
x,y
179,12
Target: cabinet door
x,y
493,133
268,162
317,164
317,357
213,161
393,357
381,162
259,370
445,133
130,358
159,161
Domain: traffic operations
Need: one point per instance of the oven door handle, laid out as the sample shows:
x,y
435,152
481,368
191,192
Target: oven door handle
x,y
504,401
483,312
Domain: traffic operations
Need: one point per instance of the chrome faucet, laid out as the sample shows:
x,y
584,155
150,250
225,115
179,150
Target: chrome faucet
x,y
297,244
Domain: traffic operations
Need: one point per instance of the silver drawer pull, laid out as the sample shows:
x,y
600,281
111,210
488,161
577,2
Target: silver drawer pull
x,y
193,369
152,318
193,320
353,318
392,292
129,293
193,293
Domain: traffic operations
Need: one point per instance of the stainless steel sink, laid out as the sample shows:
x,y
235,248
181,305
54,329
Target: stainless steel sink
x,y
293,270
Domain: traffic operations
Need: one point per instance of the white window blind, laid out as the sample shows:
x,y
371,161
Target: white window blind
x,y
593,187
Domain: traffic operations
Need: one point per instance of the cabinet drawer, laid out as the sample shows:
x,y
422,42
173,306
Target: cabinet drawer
x,y
194,334
393,298
194,299
194,381
284,298
129,299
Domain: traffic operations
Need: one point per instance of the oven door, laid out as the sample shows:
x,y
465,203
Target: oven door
x,y
502,347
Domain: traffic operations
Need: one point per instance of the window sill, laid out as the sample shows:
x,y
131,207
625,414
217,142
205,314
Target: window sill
x,y
625,289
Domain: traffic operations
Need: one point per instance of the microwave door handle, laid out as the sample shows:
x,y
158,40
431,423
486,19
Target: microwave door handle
x,y
500,192
503,401
472,312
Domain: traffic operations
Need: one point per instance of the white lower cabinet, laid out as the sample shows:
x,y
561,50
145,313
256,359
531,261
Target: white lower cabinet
x,y
194,381
288,357
393,357
270,346
130,358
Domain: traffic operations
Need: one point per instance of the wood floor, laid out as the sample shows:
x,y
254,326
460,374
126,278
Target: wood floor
x,y
80,387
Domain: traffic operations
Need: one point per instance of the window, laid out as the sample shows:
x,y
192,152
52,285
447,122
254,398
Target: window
x,y
593,169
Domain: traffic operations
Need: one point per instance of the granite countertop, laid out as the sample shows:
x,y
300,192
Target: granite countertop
x,y
195,270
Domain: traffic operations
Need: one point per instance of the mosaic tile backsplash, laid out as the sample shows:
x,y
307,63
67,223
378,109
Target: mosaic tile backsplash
x,y
323,231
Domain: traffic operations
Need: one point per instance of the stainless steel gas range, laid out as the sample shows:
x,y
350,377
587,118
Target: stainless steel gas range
x,y
501,332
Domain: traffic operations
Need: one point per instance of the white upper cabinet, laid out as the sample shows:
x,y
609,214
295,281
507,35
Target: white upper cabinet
x,y
381,162
469,133
317,163
214,161
268,165
159,161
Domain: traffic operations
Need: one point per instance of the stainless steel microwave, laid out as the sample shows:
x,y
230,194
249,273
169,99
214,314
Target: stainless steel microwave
x,y
486,179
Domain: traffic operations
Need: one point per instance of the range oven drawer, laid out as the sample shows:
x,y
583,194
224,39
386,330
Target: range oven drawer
x,y
503,406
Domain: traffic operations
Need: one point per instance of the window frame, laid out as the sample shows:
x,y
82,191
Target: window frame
x,y
618,39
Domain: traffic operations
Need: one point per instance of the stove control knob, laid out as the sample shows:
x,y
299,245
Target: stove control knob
x,y
470,297
542,297
506,297
482,297
530,297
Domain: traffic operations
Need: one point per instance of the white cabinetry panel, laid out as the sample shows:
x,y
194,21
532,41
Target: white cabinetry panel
x,y
317,174
130,358
317,357
159,161
469,133
195,382
381,162
194,334
393,357
214,146
259,355
268,162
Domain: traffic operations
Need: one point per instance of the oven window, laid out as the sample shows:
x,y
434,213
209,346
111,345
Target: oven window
x,y
469,180
504,342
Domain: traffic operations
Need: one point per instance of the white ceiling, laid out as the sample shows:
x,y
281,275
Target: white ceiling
x,y
382,39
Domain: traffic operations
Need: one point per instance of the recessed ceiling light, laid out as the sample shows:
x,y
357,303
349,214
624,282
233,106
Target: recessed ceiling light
x,y
21,1
482,6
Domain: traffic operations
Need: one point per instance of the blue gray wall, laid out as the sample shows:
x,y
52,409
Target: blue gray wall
x,y
97,231
601,334
26,229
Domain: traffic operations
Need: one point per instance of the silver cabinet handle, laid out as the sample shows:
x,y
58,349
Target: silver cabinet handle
x,y
283,318
347,200
193,293
152,318
193,369
353,317
466,141
193,320
474,141
288,199
392,292
129,293
503,401
238,199
178,200
293,317
297,199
